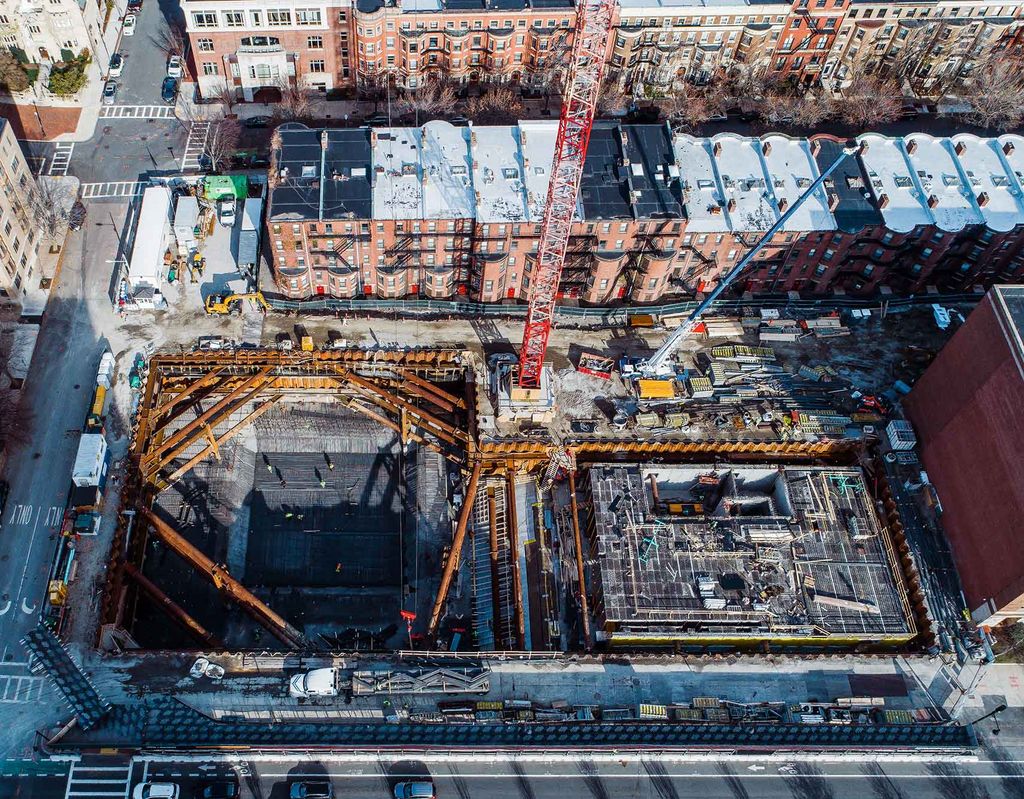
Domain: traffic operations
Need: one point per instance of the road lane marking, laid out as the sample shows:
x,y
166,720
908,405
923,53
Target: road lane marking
x,y
123,189
195,145
25,608
61,158
136,112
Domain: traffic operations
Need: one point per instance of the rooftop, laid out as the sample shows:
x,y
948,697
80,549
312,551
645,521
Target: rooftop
x,y
793,170
759,551
475,5
943,188
653,173
335,179
702,190
995,188
749,197
854,208
893,184
604,189
537,149
498,174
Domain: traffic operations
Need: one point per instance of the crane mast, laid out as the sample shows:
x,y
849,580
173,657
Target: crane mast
x,y
579,104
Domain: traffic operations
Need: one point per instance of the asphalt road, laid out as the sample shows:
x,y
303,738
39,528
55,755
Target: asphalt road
x,y
496,777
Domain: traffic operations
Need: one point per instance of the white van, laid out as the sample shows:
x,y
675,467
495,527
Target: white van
x,y
318,682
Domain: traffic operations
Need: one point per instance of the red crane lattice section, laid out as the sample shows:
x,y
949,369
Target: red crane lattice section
x,y
583,82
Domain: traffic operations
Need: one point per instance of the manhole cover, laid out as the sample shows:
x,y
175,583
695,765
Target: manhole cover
x,y
107,130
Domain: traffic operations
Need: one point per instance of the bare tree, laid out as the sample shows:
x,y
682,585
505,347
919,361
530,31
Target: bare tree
x,y
170,38
612,99
436,98
689,106
793,105
296,103
548,75
996,94
222,142
498,105
50,200
870,101
227,97
16,419
373,86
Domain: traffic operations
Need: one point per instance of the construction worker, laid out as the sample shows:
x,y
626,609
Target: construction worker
x,y
323,483
284,483
330,463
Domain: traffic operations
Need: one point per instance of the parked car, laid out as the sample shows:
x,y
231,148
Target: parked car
x,y
174,69
221,789
135,5
311,789
116,66
5,489
257,122
76,217
169,90
128,28
109,92
155,790
414,789
226,212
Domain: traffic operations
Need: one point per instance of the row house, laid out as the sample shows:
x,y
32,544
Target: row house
x,y
20,237
930,47
443,211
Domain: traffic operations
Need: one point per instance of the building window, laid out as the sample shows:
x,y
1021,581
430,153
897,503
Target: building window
x,y
210,68
316,66
257,18
205,45
308,16
279,16
315,42
234,19
204,19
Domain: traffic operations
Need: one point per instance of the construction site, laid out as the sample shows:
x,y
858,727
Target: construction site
x,y
368,500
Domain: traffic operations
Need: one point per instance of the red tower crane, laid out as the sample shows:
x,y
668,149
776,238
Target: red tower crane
x,y
583,82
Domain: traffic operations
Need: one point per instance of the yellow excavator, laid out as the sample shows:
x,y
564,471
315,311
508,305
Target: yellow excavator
x,y
223,303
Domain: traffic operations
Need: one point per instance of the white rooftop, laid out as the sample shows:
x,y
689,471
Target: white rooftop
x,y
989,174
702,191
537,148
793,170
724,5
891,177
498,174
422,173
943,189
744,182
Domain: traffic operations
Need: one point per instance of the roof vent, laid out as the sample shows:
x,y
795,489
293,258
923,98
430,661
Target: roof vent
x,y
766,148
960,147
883,200
833,201
815,147
783,205
717,149
732,204
933,201
1008,148
983,199
912,146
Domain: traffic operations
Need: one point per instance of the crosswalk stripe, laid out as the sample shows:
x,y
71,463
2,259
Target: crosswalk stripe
x,y
61,158
194,146
117,189
136,112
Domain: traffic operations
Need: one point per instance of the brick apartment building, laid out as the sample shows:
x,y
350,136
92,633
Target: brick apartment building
x,y
249,45
19,234
443,211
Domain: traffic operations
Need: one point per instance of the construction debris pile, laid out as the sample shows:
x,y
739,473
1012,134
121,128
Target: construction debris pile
x,y
705,554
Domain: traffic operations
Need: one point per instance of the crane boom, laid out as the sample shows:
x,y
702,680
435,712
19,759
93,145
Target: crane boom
x,y
583,81
656,363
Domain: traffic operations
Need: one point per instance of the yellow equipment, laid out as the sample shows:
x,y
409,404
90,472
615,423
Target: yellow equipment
x,y
222,304
307,344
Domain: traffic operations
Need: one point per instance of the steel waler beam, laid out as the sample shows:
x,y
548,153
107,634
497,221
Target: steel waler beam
x,y
442,398
254,382
202,382
513,542
580,574
224,582
422,418
173,610
454,554
215,443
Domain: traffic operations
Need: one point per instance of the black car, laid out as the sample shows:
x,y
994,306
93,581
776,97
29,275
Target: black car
x,y
5,489
221,789
257,122
76,217
134,5
169,90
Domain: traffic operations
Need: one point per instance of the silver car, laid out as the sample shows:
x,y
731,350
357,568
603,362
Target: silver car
x,y
109,92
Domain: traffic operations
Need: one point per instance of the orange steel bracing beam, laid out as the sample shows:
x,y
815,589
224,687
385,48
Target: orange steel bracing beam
x,y
206,380
224,582
253,384
580,574
513,540
356,405
215,443
444,399
492,518
173,610
451,564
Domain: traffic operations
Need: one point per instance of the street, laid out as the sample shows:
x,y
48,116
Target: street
x,y
499,776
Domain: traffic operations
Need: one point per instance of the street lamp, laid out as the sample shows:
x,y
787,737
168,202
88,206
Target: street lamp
x,y
995,712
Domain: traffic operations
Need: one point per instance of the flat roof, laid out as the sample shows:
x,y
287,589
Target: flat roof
x,y
745,183
1012,299
892,182
754,551
793,170
702,190
854,208
604,187
537,150
943,188
397,174
498,174
989,175
653,174
447,170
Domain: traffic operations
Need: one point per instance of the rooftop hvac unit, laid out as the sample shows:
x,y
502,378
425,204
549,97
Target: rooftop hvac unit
x,y
901,435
